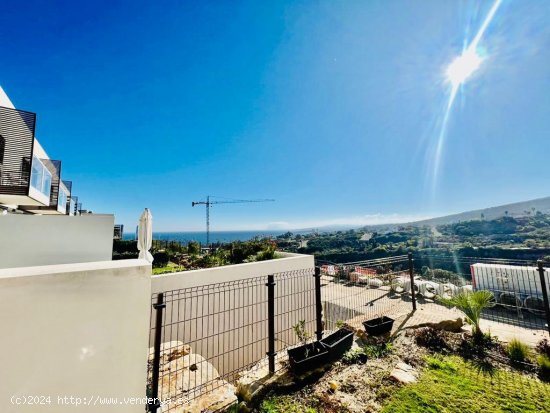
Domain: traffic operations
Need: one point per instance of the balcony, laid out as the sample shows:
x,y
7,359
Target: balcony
x,y
64,198
16,154
29,180
42,179
46,184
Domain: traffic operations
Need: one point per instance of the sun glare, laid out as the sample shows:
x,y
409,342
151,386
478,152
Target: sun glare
x,y
463,66
458,72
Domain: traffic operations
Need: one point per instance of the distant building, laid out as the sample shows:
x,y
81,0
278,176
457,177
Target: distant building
x,y
119,231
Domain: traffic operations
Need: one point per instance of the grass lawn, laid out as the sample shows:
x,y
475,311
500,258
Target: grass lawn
x,y
171,267
451,385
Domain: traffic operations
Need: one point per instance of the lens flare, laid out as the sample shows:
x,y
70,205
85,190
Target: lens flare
x,y
460,69
463,66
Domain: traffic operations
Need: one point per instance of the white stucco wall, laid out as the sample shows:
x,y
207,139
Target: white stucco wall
x,y
185,279
227,323
76,330
29,240
5,100
39,151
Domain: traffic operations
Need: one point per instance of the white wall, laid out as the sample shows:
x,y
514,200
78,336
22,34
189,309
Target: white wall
x,y
5,100
82,330
29,240
226,322
185,279
39,150
76,330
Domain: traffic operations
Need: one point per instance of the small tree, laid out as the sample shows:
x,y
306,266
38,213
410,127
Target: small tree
x,y
472,305
302,334
193,247
160,259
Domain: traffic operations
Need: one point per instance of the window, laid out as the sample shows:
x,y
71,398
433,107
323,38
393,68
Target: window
x,y
62,200
47,183
41,178
36,174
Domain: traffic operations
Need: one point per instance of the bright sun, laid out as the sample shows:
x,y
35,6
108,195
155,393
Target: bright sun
x,y
463,66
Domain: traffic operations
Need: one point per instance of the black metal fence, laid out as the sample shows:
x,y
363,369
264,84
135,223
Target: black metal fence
x,y
520,288
204,338
356,291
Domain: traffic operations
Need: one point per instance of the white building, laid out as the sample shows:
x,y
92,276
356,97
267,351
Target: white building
x,y
37,226
29,179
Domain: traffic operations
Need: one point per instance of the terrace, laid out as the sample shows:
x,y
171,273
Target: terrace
x,y
216,333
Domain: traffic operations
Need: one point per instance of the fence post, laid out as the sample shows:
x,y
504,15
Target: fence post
x,y
544,294
411,274
159,306
271,323
318,304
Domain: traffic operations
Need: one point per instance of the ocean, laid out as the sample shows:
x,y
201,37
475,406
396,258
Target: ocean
x,y
215,236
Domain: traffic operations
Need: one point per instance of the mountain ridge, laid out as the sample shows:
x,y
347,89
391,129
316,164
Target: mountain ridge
x,y
515,209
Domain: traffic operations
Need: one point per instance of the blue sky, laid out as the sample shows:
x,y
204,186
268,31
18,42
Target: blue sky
x,y
331,108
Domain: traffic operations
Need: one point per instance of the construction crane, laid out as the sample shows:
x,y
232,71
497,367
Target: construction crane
x,y
208,203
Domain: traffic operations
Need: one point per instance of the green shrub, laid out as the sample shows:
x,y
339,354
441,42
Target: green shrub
x,y
122,246
518,351
378,350
193,247
544,367
267,254
340,324
160,259
353,356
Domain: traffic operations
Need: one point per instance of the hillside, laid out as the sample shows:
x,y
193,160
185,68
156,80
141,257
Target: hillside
x,y
517,209
513,237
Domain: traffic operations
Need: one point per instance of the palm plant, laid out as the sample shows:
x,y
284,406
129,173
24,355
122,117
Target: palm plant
x,y
472,305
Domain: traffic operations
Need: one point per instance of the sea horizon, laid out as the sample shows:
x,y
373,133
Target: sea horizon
x,y
215,236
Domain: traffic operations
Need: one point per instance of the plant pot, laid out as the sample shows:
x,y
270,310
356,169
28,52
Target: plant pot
x,y
338,343
308,357
378,326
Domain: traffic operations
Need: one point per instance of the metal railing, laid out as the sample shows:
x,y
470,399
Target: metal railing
x,y
356,291
204,338
519,287
16,146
